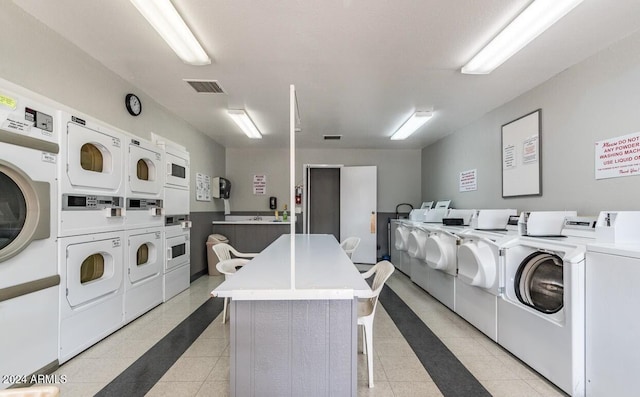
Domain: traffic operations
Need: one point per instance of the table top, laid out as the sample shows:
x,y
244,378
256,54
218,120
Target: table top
x,y
322,271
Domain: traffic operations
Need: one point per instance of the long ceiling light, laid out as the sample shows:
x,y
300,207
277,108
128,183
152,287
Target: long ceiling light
x,y
534,20
164,18
245,123
411,125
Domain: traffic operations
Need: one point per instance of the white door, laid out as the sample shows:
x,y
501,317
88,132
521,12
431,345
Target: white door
x,y
358,210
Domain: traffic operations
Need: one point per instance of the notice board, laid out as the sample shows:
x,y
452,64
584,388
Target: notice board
x,y
521,160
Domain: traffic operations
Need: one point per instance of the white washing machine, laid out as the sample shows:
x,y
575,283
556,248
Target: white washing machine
x,y
91,176
144,268
29,280
478,282
177,269
92,289
145,180
612,301
440,256
541,313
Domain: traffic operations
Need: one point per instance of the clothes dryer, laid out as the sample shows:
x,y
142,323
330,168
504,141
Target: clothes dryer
x,y
92,290
478,283
144,266
541,313
145,183
177,271
91,176
612,300
29,280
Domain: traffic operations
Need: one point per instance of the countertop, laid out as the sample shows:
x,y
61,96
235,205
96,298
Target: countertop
x,y
249,220
322,271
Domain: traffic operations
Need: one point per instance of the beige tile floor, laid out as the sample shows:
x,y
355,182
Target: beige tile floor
x,y
203,370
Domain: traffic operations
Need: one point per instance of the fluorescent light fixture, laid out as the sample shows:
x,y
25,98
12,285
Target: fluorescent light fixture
x,y
164,18
245,123
534,20
410,126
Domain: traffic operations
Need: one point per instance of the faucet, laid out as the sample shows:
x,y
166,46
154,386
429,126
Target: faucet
x,y
257,217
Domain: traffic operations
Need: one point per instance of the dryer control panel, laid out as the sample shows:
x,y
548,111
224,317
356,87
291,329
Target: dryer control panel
x,y
143,204
77,202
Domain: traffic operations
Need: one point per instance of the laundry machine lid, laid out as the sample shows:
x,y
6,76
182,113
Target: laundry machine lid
x,y
402,234
477,264
435,250
415,243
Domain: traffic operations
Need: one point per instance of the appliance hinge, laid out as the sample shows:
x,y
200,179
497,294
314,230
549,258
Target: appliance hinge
x,y
501,290
502,252
67,291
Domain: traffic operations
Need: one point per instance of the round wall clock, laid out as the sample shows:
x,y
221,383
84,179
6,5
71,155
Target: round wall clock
x,y
133,104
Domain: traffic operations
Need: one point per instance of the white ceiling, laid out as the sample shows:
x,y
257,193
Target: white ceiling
x,y
360,67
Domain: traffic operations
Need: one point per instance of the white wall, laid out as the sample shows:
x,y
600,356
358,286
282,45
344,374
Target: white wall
x,y
594,100
398,174
40,60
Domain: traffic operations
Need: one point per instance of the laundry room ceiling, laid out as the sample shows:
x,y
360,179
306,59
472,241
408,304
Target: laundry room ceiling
x,y
360,67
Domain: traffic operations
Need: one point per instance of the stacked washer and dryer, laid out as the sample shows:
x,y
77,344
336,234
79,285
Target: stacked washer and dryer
x,y
144,258
91,243
177,225
541,315
29,281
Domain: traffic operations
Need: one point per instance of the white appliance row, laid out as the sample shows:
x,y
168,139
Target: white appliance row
x,y
522,285
93,198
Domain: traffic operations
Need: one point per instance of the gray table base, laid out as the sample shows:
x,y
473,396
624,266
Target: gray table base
x,y
293,348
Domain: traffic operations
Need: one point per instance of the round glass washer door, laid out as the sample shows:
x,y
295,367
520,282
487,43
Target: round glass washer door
x,y
24,211
539,282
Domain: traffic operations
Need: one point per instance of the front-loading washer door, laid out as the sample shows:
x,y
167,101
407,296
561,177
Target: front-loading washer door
x,y
94,159
476,264
402,233
415,244
145,171
145,256
24,211
435,252
94,269
539,282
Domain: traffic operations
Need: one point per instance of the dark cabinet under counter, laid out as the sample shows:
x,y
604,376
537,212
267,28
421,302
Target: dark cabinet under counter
x,y
251,236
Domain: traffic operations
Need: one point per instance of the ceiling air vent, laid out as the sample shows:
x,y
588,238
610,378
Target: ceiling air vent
x,y
332,137
206,86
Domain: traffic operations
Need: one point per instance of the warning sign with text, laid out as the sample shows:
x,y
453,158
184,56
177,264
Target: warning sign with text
x,y
468,181
618,157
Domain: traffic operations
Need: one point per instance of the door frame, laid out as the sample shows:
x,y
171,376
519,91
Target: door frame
x,y
305,190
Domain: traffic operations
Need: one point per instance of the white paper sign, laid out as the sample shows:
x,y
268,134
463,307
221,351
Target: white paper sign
x,y
259,184
618,157
469,180
509,157
530,150
203,187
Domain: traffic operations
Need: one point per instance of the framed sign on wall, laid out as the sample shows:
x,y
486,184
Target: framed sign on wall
x,y
521,160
